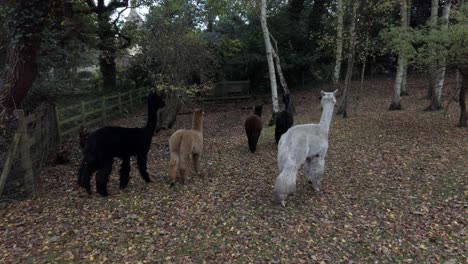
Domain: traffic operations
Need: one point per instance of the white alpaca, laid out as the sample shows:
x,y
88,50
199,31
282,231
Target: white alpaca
x,y
304,144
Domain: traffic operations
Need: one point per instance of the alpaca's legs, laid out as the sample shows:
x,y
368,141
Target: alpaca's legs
x,y
141,161
124,172
196,162
314,168
102,177
183,168
173,166
84,175
253,139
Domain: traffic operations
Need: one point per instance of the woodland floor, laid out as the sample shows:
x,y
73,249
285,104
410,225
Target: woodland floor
x,y
395,190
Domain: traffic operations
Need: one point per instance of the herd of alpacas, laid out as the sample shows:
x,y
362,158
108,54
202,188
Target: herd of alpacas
x,y
298,145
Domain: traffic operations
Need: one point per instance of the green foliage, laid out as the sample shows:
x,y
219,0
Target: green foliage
x,y
173,54
397,40
432,45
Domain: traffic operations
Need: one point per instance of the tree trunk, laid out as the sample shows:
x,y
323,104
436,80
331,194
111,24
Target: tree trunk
x,y
284,85
404,85
107,34
107,51
271,66
463,122
22,52
363,70
168,114
433,67
342,109
402,61
439,72
339,43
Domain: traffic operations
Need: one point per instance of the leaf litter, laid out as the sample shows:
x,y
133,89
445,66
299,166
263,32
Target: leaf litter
x,y
394,191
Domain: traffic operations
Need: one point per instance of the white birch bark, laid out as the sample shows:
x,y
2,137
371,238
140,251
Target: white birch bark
x,y
402,60
339,43
404,85
442,66
269,53
432,67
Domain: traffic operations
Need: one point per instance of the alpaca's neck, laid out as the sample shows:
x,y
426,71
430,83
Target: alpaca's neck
x,y
327,115
152,119
197,125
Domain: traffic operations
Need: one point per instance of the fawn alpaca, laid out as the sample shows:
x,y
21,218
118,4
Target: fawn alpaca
x,y
253,127
304,144
103,145
183,144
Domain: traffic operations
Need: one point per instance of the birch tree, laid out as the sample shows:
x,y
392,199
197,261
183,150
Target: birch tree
x,y
269,54
342,109
402,60
339,43
439,72
404,84
432,67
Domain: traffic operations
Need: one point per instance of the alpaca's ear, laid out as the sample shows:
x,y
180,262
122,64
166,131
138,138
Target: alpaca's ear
x,y
322,93
335,92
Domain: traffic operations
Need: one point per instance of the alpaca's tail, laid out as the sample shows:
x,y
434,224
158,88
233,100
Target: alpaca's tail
x,y
286,180
285,184
253,139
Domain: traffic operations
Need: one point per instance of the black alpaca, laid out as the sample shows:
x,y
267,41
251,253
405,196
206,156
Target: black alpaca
x,y
284,120
253,127
104,144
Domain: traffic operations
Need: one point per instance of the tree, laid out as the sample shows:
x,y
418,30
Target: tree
x,y
404,84
439,71
107,30
463,120
339,42
24,32
174,57
402,60
342,108
269,53
433,67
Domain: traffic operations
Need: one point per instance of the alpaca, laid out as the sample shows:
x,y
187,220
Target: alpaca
x,y
104,144
304,144
253,127
183,144
284,120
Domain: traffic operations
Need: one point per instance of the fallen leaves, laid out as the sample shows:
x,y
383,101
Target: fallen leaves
x,y
394,190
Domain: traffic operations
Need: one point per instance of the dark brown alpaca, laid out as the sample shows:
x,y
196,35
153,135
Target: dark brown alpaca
x,y
253,127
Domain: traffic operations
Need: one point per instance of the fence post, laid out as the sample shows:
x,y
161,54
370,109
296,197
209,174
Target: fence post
x,y
120,103
104,108
25,153
57,122
9,161
83,112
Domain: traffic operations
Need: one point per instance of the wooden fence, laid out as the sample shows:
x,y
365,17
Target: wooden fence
x,y
27,153
91,112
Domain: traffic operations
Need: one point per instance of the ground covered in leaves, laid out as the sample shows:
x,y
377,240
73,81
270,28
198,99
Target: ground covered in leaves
x,y
394,191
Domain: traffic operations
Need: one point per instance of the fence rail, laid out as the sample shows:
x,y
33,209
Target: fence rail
x,y
88,113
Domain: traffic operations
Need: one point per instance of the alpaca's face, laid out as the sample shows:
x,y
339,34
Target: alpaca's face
x,y
328,97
